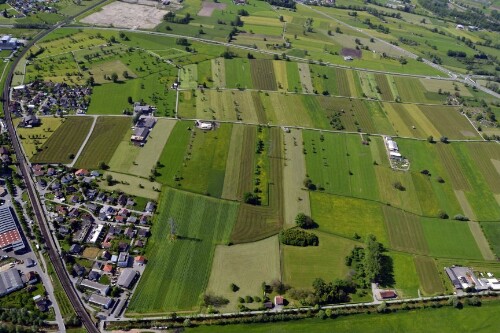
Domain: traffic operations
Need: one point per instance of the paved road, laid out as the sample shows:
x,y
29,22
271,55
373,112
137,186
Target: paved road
x,y
38,211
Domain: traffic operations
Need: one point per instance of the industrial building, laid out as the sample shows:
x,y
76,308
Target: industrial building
x,y
10,236
127,278
10,280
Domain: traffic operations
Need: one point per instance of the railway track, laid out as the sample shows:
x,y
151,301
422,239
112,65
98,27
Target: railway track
x,y
38,210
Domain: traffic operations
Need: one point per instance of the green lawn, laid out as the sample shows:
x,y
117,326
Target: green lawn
x,y
492,232
405,275
180,268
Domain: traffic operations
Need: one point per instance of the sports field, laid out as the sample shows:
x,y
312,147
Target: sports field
x,y
201,223
105,138
65,142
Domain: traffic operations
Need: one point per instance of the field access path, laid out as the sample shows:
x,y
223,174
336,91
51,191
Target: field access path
x,y
94,121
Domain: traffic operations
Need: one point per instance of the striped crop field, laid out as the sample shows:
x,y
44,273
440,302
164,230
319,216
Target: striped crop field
x,y
65,141
263,74
405,231
105,138
383,85
430,281
201,224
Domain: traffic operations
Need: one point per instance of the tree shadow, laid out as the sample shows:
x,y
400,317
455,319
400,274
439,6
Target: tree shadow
x,y
386,277
189,238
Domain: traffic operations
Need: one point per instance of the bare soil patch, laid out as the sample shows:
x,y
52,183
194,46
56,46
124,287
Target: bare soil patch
x,y
126,15
351,52
208,8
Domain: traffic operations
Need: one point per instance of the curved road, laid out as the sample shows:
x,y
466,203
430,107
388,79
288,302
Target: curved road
x,y
24,167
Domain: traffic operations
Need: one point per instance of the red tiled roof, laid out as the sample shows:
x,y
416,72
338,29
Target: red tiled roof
x,y
9,237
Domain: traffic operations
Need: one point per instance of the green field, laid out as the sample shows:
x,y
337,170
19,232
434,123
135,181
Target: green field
x,y
201,224
351,216
405,275
65,141
461,245
304,264
105,138
446,319
31,138
247,266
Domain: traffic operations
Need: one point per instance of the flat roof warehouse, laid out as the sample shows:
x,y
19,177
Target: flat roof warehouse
x,y
10,237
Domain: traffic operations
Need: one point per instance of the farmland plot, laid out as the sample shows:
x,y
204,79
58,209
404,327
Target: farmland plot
x,y
65,141
31,138
218,73
247,266
430,280
238,73
449,122
257,222
296,198
305,78
263,76
405,231
301,265
106,136
383,85
201,223
405,275
367,219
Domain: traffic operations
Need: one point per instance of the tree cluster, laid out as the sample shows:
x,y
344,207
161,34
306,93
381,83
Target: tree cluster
x,y
282,3
333,292
171,17
304,221
297,237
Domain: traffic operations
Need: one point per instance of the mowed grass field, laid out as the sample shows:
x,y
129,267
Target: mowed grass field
x,y
340,164
66,140
105,138
346,216
34,137
132,159
430,279
445,320
405,275
247,266
301,265
178,270
197,160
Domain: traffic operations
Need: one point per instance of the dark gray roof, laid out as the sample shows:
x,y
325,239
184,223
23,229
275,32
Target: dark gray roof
x,y
10,280
127,277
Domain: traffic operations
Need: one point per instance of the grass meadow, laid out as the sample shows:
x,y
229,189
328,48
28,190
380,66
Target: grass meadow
x,y
301,265
247,266
201,223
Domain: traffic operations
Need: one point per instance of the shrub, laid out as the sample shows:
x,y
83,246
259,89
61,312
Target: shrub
x,y
303,221
460,217
440,180
234,288
251,198
442,215
297,237
249,299
398,186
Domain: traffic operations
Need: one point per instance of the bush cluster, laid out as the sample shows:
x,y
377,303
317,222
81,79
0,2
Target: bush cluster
x,y
297,237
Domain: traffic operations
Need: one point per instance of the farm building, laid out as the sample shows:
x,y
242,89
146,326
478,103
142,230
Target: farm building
x,y
140,134
386,294
127,278
29,121
10,280
102,301
204,125
10,237
464,278
279,300
7,42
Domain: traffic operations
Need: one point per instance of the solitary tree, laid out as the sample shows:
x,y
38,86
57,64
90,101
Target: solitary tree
x,y
114,77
